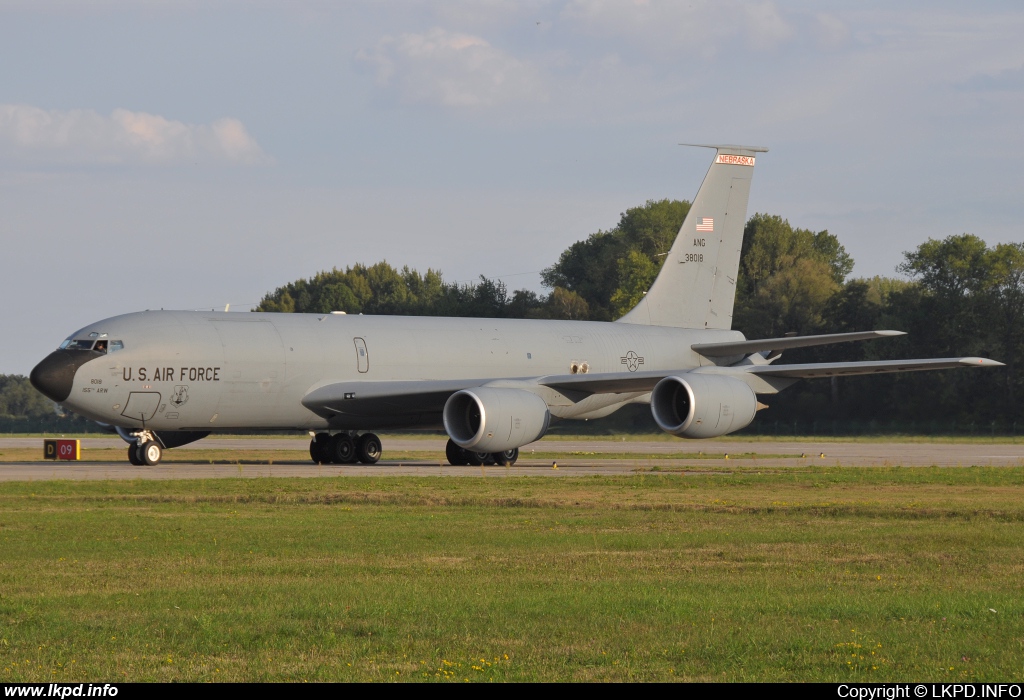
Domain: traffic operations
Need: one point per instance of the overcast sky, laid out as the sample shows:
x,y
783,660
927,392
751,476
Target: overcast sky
x,y
193,154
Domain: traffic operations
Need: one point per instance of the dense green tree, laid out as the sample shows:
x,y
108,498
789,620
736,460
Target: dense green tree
x,y
19,398
1005,313
593,268
787,277
382,289
23,409
770,244
791,300
954,268
565,304
971,302
636,273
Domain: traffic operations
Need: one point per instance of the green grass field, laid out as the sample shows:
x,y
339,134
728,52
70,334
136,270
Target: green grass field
x,y
863,574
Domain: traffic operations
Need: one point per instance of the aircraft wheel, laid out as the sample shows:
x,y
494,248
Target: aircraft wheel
x,y
341,449
457,457
151,452
477,459
506,458
318,449
133,455
368,448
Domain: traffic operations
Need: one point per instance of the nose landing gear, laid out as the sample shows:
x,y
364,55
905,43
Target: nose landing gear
x,y
144,450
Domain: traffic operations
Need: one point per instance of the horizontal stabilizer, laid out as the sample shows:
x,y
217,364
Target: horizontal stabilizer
x,y
844,369
730,147
745,347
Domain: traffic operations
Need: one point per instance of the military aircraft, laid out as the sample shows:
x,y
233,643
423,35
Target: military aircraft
x,y
163,379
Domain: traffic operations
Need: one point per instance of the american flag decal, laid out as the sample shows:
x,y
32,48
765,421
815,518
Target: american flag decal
x,y
706,224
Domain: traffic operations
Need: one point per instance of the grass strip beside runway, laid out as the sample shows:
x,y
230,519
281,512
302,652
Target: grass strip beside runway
x,y
863,574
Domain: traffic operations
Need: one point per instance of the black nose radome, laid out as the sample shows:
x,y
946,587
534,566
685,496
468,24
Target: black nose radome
x,y
54,376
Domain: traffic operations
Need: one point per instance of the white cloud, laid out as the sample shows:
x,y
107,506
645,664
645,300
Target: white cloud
x,y
83,136
450,69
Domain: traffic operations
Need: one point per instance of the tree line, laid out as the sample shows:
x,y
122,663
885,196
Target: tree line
x,y
25,410
955,296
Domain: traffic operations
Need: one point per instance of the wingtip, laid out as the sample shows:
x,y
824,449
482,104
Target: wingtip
x,y
889,334
980,362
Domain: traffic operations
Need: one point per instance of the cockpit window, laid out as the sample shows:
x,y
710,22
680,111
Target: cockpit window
x,y
101,345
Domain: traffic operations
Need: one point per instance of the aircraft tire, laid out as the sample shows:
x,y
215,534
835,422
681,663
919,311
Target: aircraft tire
x,y
151,452
477,459
133,455
457,457
368,448
506,458
341,449
318,449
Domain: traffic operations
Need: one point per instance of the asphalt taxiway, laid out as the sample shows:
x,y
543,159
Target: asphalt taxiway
x,y
572,457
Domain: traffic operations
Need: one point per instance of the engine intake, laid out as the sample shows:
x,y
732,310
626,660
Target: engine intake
x,y
702,405
492,419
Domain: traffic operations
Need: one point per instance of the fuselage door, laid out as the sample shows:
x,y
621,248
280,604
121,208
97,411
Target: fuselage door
x,y
362,357
142,405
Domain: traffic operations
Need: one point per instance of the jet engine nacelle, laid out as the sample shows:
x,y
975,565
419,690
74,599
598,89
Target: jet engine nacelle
x,y
702,405
492,419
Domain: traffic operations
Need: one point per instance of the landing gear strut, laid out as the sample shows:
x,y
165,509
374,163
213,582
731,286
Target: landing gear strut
x,y
342,448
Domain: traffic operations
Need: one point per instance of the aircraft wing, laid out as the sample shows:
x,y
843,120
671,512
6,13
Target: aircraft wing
x,y
382,398
844,369
625,382
744,347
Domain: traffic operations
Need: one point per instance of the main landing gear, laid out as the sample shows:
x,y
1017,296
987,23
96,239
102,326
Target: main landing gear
x,y
145,451
343,448
460,457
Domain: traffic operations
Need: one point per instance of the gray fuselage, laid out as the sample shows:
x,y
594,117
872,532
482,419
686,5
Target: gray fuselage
x,y
212,371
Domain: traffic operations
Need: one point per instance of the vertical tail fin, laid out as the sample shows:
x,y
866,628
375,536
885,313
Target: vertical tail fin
x,y
696,287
